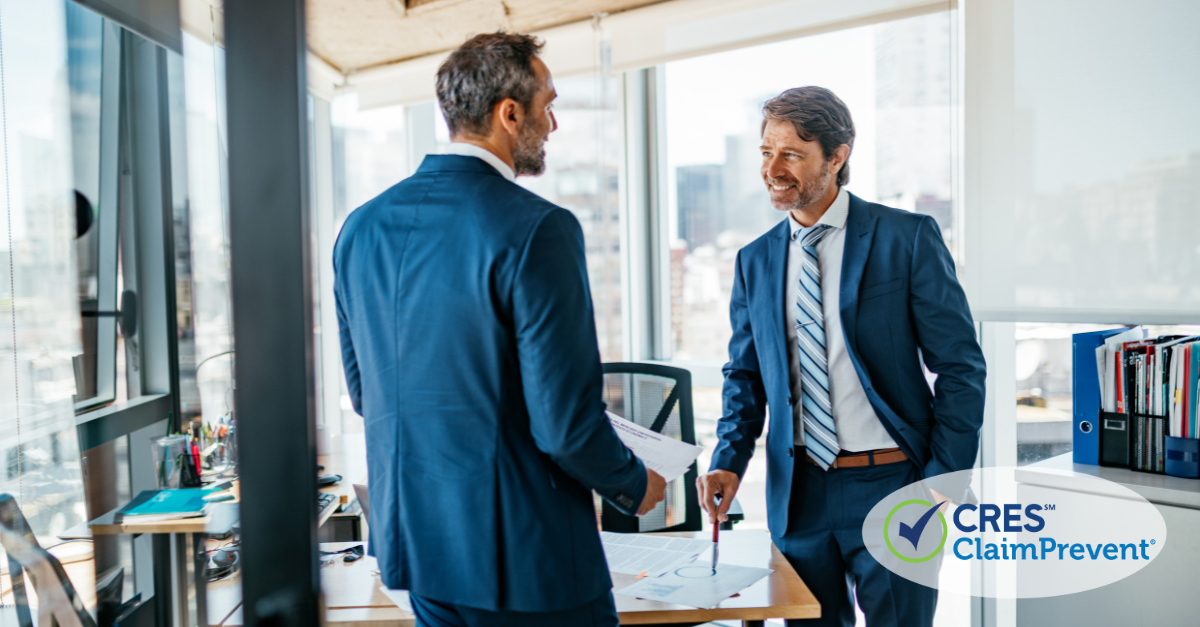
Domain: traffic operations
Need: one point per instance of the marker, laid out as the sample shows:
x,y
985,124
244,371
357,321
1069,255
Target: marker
x,y
716,531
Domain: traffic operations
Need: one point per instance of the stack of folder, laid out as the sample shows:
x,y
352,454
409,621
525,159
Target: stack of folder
x,y
1149,395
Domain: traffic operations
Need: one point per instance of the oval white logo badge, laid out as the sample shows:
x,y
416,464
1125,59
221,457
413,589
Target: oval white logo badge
x,y
1036,533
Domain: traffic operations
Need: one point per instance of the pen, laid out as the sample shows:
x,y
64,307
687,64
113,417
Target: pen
x,y
716,530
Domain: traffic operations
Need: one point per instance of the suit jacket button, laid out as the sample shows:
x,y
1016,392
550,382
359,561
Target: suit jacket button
x,y
791,401
791,452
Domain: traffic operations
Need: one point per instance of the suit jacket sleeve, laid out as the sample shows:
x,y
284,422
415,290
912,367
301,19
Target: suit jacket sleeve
x,y
349,359
560,364
744,398
946,337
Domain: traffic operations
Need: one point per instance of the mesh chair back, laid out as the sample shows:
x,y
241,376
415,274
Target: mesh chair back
x,y
56,595
658,398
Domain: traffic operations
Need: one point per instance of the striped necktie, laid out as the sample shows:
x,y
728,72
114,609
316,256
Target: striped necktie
x,y
820,433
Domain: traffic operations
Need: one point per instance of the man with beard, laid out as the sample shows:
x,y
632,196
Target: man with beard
x,y
833,313
470,351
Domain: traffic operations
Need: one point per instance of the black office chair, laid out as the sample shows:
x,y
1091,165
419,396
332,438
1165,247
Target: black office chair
x,y
660,399
56,595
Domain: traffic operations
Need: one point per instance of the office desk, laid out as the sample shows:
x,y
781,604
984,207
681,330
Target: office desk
x,y
347,458
352,595
353,598
782,594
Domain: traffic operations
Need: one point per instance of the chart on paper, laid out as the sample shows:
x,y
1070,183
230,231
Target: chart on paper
x,y
634,554
697,586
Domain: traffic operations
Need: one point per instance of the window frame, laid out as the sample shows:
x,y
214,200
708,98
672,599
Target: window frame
x,y
107,217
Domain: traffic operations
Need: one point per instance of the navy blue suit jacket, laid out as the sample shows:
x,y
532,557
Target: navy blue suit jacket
x,y
900,302
470,351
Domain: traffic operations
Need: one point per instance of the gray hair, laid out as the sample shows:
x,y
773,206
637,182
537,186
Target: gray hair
x,y
480,73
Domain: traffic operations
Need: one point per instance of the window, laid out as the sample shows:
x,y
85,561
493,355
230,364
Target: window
x,y
370,153
94,366
40,330
895,78
207,223
583,158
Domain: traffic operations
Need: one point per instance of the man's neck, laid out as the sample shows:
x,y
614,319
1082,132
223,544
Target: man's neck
x,y
810,215
502,152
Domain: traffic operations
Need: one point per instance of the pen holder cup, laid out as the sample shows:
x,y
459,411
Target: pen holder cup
x,y
170,453
1183,457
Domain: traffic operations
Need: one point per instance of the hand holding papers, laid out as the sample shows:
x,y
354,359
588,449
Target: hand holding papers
x,y
665,455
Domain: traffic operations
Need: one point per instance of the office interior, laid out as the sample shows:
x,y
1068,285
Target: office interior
x,y
176,174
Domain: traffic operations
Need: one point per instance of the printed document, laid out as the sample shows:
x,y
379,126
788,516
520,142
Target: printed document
x,y
662,454
697,585
634,554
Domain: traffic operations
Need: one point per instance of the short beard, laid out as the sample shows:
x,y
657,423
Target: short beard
x,y
529,155
809,193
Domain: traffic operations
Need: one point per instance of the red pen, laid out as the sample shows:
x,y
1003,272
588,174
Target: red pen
x,y
196,457
716,530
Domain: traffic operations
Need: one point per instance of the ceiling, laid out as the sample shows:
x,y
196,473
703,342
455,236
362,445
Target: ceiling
x,y
353,35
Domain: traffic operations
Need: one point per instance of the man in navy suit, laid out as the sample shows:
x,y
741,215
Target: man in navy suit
x,y
833,312
470,351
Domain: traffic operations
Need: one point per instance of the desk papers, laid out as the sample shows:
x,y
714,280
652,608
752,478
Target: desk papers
x,y
662,454
634,554
399,597
696,586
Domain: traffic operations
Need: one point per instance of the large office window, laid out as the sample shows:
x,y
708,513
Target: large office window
x,y
583,158
40,331
207,225
370,152
895,78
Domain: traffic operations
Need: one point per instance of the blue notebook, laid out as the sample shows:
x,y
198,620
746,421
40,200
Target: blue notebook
x,y
153,505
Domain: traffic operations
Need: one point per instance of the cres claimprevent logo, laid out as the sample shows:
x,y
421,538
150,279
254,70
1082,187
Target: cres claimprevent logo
x,y
920,512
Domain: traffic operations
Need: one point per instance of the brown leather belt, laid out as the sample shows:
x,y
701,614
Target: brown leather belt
x,y
877,457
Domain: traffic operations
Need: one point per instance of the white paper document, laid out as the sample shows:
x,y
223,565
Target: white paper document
x,y
634,554
399,597
665,455
697,585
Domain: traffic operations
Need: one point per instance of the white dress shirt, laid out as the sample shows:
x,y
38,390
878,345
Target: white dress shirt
x,y
858,428
471,150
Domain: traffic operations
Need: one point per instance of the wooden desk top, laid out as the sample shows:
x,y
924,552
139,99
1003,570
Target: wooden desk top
x,y
352,592
220,519
781,594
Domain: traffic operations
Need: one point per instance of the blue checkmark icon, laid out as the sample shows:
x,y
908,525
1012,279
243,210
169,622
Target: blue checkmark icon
x,y
913,533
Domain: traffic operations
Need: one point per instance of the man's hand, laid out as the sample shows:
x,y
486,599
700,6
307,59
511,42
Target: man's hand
x,y
938,498
717,483
656,487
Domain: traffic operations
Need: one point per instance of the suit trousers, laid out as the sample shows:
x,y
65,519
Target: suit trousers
x,y
824,543
599,613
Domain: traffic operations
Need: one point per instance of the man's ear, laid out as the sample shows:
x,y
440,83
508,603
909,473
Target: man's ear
x,y
508,114
841,154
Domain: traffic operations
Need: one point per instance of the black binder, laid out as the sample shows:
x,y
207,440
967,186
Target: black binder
x,y
1147,441
1114,439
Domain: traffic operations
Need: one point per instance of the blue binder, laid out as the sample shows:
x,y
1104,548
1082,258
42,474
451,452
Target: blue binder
x,y
1085,392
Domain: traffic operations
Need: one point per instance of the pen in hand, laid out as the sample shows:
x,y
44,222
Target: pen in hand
x,y
716,530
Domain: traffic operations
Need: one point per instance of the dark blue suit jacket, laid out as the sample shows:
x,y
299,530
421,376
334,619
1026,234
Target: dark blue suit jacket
x,y
470,351
900,302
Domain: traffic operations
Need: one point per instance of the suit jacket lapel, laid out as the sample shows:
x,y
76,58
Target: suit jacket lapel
x,y
777,279
860,230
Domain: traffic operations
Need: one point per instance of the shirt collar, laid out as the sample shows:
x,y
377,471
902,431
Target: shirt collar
x,y
835,216
471,150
